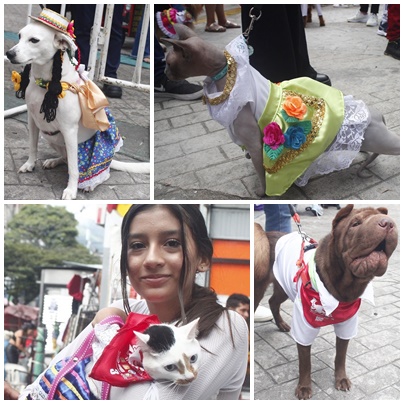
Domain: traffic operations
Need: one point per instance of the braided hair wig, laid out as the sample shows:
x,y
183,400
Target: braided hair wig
x,y
50,101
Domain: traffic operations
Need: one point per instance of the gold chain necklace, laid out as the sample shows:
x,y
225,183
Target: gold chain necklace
x,y
230,81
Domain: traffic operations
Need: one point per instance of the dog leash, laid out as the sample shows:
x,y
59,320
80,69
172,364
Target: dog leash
x,y
255,14
300,263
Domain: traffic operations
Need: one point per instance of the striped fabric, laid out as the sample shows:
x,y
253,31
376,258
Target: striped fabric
x,y
73,386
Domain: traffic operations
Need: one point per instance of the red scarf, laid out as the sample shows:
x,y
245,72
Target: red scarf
x,y
314,312
113,366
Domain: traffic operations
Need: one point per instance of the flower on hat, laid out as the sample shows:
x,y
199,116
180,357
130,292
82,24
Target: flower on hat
x,y
70,29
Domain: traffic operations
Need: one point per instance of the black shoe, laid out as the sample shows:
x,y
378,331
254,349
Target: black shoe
x,y
323,78
178,89
393,49
112,91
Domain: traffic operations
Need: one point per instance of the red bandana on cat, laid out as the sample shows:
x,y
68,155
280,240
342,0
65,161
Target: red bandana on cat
x,y
120,364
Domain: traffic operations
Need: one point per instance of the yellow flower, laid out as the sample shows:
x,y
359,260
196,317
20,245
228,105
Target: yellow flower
x,y
65,87
16,79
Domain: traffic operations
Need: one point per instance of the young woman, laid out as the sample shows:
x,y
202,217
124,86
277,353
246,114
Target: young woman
x,y
163,247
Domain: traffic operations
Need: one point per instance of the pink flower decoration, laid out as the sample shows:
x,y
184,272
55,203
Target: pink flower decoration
x,y
273,135
70,29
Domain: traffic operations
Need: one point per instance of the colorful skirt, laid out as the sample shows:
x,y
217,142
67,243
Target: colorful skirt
x,y
95,155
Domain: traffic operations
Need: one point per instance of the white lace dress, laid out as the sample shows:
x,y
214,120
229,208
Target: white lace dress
x,y
251,87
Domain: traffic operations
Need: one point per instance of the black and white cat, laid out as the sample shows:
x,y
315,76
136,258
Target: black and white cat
x,y
171,353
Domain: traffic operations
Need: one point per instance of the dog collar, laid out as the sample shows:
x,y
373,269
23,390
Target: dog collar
x,y
230,81
44,84
221,74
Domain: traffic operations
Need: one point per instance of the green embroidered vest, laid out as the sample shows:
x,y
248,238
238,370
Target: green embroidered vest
x,y
320,124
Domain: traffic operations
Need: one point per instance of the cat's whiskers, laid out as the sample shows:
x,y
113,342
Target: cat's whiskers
x,y
169,386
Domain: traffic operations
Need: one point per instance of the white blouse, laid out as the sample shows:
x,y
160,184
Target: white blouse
x,y
221,374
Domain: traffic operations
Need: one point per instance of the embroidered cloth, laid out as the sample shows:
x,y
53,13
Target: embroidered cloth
x,y
95,155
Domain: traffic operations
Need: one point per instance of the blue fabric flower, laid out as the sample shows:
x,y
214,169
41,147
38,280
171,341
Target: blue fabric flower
x,y
294,137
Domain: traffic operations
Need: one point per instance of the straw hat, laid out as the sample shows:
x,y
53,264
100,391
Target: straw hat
x,y
56,21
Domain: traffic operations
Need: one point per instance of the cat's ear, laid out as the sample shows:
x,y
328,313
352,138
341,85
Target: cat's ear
x,y
191,329
142,340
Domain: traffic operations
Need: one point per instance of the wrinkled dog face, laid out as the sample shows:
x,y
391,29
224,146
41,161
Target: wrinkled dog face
x,y
366,239
38,44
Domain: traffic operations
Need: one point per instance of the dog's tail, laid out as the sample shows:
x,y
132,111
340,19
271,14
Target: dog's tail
x,y
135,168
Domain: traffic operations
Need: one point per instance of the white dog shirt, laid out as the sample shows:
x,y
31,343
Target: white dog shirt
x,y
287,251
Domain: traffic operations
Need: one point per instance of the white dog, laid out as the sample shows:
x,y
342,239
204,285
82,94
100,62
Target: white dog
x,y
59,124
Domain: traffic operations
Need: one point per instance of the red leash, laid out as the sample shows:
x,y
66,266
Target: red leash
x,y
301,265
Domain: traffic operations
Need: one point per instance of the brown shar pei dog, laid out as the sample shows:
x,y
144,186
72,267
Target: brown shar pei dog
x,y
328,289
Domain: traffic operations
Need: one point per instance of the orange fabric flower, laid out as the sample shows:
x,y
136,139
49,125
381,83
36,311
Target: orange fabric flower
x,y
295,107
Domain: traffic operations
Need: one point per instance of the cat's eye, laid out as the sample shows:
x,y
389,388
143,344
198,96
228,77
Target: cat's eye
x,y
170,368
193,358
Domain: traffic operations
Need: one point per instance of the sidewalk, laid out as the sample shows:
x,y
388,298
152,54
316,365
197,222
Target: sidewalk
x,y
373,362
195,159
132,114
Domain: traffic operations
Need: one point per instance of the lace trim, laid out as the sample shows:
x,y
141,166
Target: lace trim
x,y
347,143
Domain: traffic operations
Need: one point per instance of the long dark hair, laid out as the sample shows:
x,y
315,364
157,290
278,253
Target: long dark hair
x,y
50,102
199,301
24,82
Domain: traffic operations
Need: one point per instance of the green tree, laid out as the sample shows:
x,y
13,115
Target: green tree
x,y
38,236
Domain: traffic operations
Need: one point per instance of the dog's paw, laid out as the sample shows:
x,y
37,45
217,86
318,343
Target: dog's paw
x,y
284,327
69,194
52,163
303,392
27,167
260,192
343,384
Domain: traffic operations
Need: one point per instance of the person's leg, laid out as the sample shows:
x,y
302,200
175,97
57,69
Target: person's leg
x,y
210,13
374,8
83,16
222,19
277,218
115,43
114,53
135,47
211,25
393,22
393,31
364,8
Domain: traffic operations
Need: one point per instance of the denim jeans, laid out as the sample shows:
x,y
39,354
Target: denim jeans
x,y
277,218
